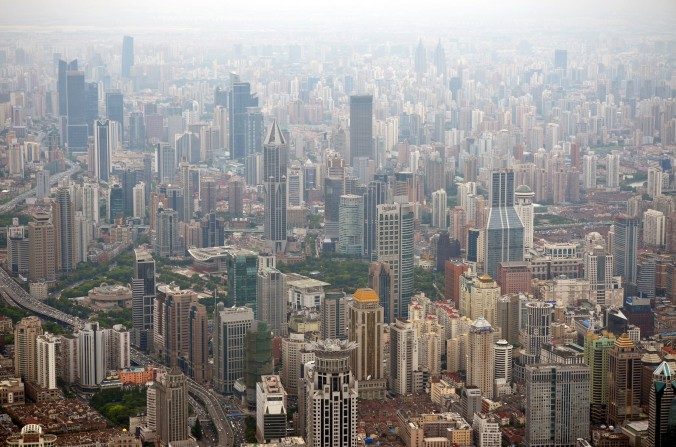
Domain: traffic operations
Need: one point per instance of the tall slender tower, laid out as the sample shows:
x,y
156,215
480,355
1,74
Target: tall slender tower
x,y
66,228
332,396
662,411
481,357
624,381
376,194
239,101
127,55
504,231
103,140
230,326
361,127
172,407
625,248
395,248
274,185
365,327
26,333
46,360
523,198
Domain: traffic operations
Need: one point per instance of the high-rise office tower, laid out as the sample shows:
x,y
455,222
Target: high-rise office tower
x,y
403,357
42,249
625,248
230,326
91,104
597,349
90,201
167,242
189,178
661,409
173,307
236,198
115,203
503,361
440,59
115,111
26,333
294,355
127,55
589,171
333,314
376,194
523,202
557,404
479,297
240,99
365,327
613,171
77,125
62,84
255,129
481,357
195,362
395,248
143,295
274,185
504,231
271,409
420,62
65,212
103,151
624,381
598,270
537,327
439,202
361,127
42,184
92,355
561,59
166,163
172,407
257,358
139,201
332,396
271,302
334,188
17,248
242,268
655,176
351,225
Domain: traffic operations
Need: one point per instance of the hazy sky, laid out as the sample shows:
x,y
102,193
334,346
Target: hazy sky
x,y
128,14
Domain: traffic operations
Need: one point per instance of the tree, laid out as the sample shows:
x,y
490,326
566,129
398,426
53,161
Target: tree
x,y
196,430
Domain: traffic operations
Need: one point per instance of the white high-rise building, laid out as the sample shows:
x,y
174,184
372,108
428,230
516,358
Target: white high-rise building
x,y
118,347
481,357
90,201
537,327
403,357
230,325
465,190
503,360
271,302
331,402
439,202
46,360
654,228
139,200
523,202
598,270
351,225
486,430
92,355
589,171
654,182
613,171
294,355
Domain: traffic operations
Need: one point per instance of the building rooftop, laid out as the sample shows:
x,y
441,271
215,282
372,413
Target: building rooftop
x,y
365,295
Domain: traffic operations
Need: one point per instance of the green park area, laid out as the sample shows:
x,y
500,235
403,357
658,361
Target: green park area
x,y
117,405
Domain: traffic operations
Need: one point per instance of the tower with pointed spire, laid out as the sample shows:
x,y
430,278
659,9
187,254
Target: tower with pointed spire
x,y
662,407
274,184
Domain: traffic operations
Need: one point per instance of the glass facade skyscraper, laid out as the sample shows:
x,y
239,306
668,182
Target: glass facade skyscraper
x,y
361,127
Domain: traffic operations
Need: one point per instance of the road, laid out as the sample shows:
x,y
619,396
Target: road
x,y
13,293
53,180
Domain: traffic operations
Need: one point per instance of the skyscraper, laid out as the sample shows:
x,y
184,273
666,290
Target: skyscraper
x,y
624,381
351,225
503,361
504,231
523,197
625,248
332,396
557,404
333,313
62,84
598,270
365,327
596,353
240,99
46,360
166,163
420,62
403,357
167,242
103,150
481,357
395,248
589,171
242,267
537,327
271,409
127,55
42,249
66,228
561,59
254,128
661,408
92,355
230,326
361,127
26,333
172,407
376,194
143,295
271,302
613,171
274,185
439,206
77,126
257,358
